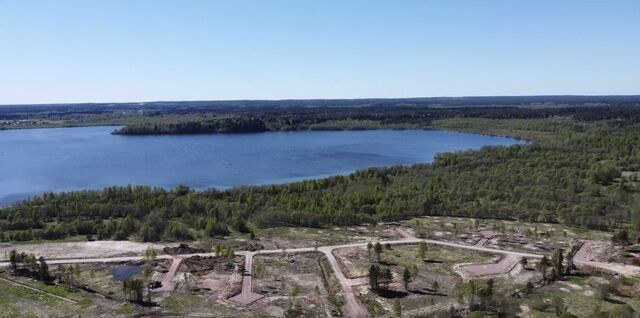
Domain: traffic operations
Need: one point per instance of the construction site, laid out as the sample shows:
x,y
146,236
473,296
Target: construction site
x,y
325,273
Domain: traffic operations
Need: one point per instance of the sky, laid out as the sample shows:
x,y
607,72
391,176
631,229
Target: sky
x,y
148,50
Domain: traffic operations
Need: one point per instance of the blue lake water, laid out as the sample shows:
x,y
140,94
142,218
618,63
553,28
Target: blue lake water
x,y
124,272
34,161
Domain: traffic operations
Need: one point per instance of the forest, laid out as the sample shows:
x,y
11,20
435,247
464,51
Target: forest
x,y
580,168
350,118
195,117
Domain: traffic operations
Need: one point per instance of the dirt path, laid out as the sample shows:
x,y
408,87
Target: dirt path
x,y
482,241
352,308
168,284
502,267
247,296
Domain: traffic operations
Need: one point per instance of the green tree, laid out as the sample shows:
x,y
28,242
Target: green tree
x,y
604,173
472,289
387,277
378,249
374,277
542,266
14,259
43,270
422,250
414,270
397,308
406,278
556,261
558,305
435,286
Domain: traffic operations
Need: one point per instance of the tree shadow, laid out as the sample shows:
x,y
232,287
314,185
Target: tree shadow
x,y
577,275
432,261
387,263
614,301
390,294
427,291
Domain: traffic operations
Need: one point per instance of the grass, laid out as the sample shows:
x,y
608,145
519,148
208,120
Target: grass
x,y
578,295
125,310
185,302
17,292
59,291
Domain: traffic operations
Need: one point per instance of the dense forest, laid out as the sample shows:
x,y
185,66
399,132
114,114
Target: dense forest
x,y
349,118
184,117
580,169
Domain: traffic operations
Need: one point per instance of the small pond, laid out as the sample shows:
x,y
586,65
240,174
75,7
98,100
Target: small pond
x,y
124,272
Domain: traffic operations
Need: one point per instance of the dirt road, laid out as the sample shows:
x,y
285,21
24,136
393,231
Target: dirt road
x,y
502,267
352,308
168,284
247,296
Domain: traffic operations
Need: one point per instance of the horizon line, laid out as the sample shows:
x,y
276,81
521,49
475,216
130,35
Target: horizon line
x,y
314,99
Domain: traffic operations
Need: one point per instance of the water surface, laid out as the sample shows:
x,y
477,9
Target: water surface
x,y
124,272
33,161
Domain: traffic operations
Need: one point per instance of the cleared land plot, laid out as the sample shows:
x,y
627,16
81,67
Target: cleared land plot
x,y
303,279
20,301
581,297
518,236
294,237
437,266
98,276
86,249
203,285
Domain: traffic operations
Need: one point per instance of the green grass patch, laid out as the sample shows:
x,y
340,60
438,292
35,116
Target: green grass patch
x,y
125,310
12,293
57,290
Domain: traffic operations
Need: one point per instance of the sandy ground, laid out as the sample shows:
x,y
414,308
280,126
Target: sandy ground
x,y
81,249
505,265
595,251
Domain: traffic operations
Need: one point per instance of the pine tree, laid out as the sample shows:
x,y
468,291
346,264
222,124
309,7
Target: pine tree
x,y
406,278
378,250
422,250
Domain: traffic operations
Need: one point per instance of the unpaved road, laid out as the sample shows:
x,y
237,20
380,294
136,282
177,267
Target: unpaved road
x,y
168,284
352,307
502,267
247,296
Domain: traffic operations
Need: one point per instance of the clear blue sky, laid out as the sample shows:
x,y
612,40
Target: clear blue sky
x,y
145,50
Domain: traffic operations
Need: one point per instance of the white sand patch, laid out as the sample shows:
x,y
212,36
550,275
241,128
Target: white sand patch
x,y
573,286
92,249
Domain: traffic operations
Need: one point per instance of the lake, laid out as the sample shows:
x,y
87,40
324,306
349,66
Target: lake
x,y
33,161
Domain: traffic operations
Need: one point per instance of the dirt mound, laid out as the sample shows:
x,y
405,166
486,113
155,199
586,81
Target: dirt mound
x,y
199,264
182,249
